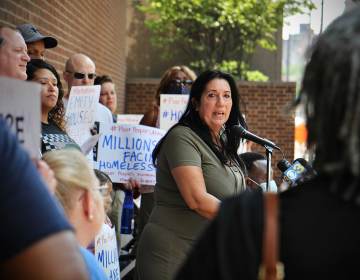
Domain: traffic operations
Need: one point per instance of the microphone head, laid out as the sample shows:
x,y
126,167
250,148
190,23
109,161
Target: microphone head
x,y
303,162
307,165
238,130
283,165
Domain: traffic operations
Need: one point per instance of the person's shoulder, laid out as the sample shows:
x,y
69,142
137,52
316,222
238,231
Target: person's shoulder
x,y
103,108
104,114
150,116
181,131
94,269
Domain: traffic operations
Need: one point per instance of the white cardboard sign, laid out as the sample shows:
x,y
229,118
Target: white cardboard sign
x,y
20,107
81,111
106,252
128,118
172,106
125,151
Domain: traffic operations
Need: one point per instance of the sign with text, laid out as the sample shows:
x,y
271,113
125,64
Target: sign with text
x,y
125,151
172,106
81,111
20,107
128,119
106,252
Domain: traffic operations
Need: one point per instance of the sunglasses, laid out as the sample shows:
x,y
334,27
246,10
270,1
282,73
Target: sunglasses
x,y
80,76
184,82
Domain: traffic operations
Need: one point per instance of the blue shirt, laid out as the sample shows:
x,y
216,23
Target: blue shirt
x,y
95,271
28,213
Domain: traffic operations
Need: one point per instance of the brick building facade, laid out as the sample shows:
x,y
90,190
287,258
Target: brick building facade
x,y
264,104
101,29
95,28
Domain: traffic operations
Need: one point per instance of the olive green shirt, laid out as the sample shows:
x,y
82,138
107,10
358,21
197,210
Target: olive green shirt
x,y
183,147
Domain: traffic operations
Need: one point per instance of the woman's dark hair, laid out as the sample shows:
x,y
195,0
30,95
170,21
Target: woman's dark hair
x,y
230,142
99,80
330,95
249,158
57,114
102,177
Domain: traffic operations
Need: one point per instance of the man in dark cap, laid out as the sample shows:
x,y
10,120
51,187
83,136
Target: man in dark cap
x,y
35,41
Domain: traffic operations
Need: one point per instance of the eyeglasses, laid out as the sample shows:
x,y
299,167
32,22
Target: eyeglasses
x,y
80,76
184,82
104,189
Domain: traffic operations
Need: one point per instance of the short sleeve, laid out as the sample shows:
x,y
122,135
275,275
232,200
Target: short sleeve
x,y
28,213
181,149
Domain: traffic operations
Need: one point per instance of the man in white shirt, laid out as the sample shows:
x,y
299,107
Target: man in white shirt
x,y
80,71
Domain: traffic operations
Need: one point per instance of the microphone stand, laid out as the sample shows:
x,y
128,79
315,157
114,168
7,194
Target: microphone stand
x,y
269,151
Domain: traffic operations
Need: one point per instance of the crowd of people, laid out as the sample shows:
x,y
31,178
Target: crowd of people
x,y
205,218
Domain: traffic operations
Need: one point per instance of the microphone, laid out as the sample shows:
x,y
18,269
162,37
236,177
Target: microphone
x,y
243,133
297,172
310,171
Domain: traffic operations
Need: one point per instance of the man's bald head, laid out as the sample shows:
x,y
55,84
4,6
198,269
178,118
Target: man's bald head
x,y
76,65
13,54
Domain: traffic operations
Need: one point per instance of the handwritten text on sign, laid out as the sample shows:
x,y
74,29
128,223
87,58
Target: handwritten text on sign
x,y
172,106
106,252
125,151
80,112
20,109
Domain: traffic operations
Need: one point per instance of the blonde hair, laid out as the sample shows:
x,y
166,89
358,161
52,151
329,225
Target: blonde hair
x,y
72,172
169,75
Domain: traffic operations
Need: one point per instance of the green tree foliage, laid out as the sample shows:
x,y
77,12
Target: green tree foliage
x,y
219,34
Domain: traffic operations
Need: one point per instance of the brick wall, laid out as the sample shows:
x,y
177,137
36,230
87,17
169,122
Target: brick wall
x,y
95,28
264,106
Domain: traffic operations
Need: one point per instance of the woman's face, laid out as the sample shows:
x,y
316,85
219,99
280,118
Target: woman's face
x,y
49,91
108,96
180,83
215,104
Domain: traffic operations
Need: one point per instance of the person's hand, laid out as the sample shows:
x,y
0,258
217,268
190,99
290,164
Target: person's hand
x,y
94,130
134,185
47,174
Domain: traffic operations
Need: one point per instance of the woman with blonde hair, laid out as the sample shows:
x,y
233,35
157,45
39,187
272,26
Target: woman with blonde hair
x,y
77,190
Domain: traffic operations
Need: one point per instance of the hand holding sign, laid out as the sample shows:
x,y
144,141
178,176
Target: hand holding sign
x,y
125,151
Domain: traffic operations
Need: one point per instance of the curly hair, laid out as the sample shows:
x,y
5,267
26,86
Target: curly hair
x,y
99,80
57,114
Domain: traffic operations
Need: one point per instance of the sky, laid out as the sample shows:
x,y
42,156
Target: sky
x,y
332,9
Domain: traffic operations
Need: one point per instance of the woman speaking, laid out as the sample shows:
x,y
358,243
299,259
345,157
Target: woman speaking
x,y
197,167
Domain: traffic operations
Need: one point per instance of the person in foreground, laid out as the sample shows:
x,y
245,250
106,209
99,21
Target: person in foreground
x,y
319,229
36,236
197,167
78,192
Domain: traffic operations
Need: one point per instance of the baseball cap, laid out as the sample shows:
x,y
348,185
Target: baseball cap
x,y
31,34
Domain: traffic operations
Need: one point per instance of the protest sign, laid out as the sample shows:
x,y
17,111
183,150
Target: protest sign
x,y
172,106
106,252
125,151
20,105
128,119
81,111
